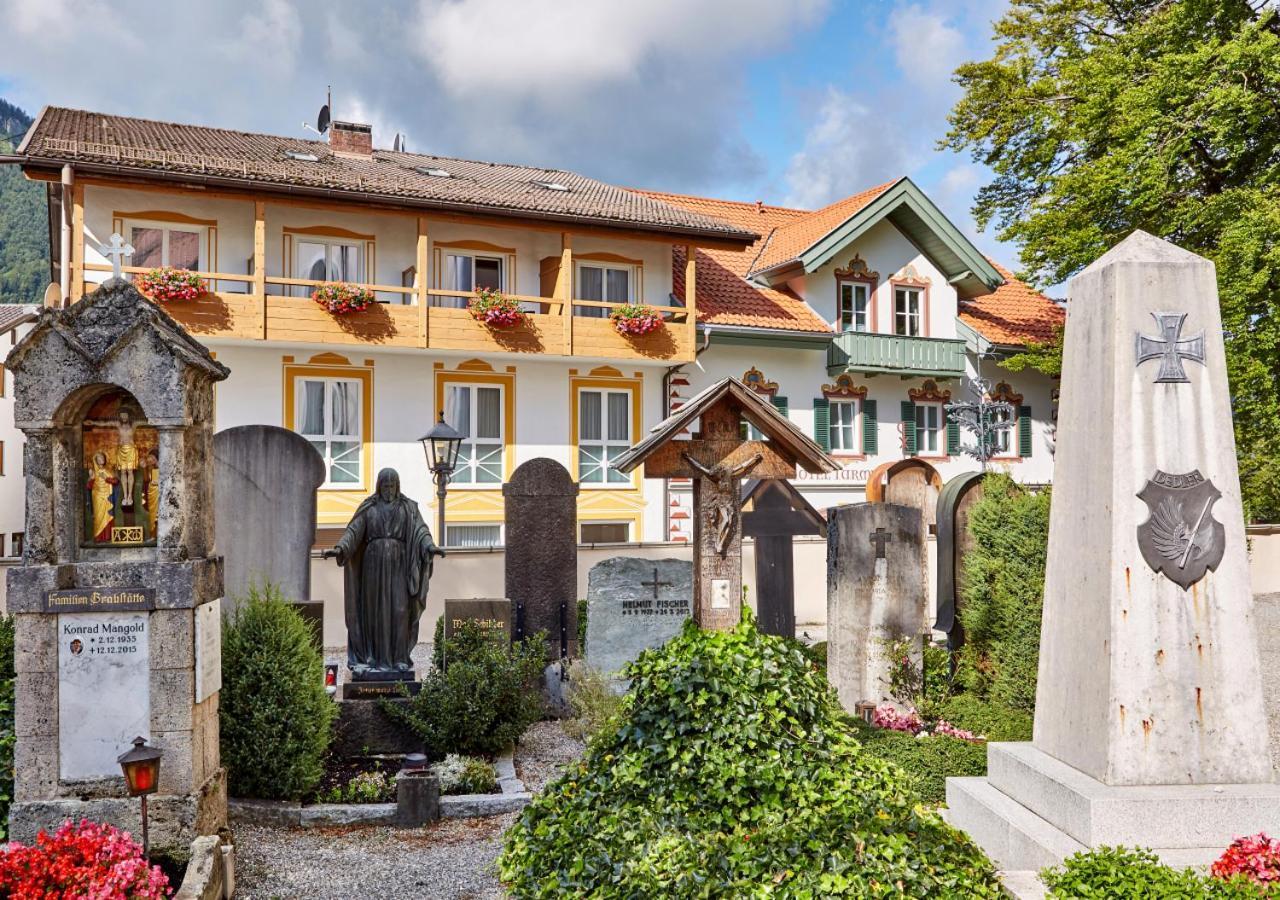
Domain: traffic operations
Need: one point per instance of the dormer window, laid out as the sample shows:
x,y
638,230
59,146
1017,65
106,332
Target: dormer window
x,y
301,156
551,185
434,172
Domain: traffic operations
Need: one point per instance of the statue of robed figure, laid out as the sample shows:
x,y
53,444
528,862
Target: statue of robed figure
x,y
387,553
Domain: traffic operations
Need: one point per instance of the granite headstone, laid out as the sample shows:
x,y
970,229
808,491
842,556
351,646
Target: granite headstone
x,y
542,552
634,604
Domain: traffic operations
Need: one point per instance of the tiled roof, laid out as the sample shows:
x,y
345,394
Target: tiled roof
x,y
14,314
725,297
797,236
142,146
1013,314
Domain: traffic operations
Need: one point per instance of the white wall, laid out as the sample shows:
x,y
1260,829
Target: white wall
x,y
12,483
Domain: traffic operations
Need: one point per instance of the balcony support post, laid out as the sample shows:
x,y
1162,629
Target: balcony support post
x,y
691,294
77,242
420,262
564,288
260,258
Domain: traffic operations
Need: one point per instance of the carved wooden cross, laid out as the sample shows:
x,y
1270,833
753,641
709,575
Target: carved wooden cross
x,y
116,249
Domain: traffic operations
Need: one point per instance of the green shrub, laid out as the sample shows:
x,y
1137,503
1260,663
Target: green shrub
x,y
732,772
592,699
367,787
465,775
927,761
276,719
481,704
1113,872
582,629
992,720
8,736
1002,586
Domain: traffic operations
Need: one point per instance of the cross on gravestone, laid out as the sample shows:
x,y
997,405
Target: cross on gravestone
x,y
655,584
880,537
1169,348
116,249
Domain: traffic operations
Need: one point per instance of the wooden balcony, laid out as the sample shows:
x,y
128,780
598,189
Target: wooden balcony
x,y
910,357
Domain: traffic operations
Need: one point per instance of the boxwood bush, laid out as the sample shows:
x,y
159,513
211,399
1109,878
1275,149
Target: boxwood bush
x,y
276,719
732,772
992,720
1113,872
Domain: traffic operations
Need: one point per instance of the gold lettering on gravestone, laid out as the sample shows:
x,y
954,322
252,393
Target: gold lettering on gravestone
x,y
93,600
129,534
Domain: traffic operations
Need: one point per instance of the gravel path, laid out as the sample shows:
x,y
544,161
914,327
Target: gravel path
x,y
450,860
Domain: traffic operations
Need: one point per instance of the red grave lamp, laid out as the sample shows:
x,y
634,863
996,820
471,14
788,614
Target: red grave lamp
x,y
141,767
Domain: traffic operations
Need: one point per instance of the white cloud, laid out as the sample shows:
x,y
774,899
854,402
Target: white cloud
x,y
926,46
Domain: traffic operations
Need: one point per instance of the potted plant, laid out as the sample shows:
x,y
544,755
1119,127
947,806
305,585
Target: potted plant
x,y
495,309
167,283
341,298
635,320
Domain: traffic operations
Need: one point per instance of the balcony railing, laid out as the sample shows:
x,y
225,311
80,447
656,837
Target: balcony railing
x,y
270,309
908,356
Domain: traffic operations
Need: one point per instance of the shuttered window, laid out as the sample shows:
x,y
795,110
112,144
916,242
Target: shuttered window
x,y
870,426
1024,432
822,422
908,428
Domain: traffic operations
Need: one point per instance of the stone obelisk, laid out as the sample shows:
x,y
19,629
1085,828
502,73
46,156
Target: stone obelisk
x,y
1150,727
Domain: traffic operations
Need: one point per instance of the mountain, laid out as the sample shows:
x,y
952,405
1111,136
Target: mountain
x,y
24,223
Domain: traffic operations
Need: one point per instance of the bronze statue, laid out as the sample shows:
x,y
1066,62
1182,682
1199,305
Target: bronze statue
x,y
388,553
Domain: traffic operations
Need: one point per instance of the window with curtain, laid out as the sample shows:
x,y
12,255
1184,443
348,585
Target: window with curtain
x,y
612,285
604,532
844,426
474,536
476,412
854,306
929,427
1002,440
907,312
158,244
471,272
328,415
323,260
604,433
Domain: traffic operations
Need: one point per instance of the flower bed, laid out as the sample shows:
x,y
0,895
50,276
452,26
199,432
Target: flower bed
x,y
166,284
635,320
341,298
496,310
81,860
1256,857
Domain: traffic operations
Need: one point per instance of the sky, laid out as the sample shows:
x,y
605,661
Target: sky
x,y
798,102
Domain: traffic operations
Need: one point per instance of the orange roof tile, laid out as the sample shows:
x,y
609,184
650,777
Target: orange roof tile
x,y
1015,313
795,237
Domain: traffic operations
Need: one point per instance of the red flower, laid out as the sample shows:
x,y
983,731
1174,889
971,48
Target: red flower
x,y
1256,857
341,298
90,860
167,283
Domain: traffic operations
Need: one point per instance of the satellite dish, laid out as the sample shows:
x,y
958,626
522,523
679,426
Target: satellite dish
x,y
398,145
322,120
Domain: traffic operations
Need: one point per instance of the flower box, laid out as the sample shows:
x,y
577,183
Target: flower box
x,y
166,284
634,320
341,298
495,310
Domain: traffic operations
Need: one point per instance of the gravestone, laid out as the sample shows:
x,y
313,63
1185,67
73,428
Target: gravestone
x,y
875,592
775,513
1150,728
492,616
265,480
113,599
632,605
954,543
542,553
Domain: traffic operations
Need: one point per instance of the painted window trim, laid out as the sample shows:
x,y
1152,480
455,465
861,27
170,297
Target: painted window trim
x,y
124,223
871,284
507,380
895,286
474,248
578,383
502,437
857,426
328,235
604,443
941,452
327,365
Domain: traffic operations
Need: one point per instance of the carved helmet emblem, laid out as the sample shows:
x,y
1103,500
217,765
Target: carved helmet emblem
x,y
1181,538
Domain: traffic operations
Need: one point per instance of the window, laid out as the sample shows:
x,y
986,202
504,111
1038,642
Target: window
x,y
604,433
1002,440
473,536
471,272
855,306
608,283
907,317
16,542
317,259
158,244
605,532
476,412
929,426
328,415
844,426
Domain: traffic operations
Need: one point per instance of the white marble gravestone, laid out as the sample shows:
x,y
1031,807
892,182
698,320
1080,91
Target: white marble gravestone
x,y
1149,726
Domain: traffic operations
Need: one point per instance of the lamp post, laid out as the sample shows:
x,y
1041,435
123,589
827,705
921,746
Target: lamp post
x,y
441,445
141,767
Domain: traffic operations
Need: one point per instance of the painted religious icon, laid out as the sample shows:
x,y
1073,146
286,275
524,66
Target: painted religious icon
x,y
121,474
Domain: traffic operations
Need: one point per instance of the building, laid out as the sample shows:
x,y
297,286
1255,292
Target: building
x,y
858,319
15,321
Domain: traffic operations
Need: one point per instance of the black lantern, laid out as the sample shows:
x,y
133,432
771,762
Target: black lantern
x,y
141,767
441,445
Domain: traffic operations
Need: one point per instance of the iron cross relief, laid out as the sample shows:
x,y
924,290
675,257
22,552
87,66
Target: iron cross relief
x,y
116,249
880,537
655,584
1170,348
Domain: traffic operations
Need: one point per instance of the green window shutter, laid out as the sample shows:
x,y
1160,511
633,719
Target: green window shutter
x,y
870,437
909,427
822,422
1024,432
780,404
953,437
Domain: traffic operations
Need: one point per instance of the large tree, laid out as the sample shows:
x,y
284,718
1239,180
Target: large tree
x,y
1102,116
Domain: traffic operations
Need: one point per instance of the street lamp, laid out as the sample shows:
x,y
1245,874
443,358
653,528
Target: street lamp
x,y
441,444
141,767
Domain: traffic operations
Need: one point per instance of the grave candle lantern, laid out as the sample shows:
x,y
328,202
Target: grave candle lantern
x,y
141,767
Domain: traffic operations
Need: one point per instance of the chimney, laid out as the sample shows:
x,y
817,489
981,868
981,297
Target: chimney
x,y
351,137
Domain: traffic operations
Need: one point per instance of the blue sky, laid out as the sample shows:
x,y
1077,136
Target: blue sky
x,y
795,103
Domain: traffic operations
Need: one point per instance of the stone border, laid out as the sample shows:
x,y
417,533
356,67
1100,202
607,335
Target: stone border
x,y
207,870
513,797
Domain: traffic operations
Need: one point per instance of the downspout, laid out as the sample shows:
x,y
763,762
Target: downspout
x,y
64,237
666,411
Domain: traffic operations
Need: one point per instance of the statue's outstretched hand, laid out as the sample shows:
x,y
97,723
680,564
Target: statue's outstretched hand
x,y
335,553
437,551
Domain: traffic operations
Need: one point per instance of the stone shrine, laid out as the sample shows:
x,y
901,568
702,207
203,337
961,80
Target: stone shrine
x,y
775,513
1150,728
632,605
717,457
875,592
112,600
542,553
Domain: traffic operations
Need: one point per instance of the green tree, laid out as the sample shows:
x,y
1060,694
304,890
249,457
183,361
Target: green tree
x,y
24,224
1102,116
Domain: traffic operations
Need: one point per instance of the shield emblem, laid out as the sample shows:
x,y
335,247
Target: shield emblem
x,y
1181,538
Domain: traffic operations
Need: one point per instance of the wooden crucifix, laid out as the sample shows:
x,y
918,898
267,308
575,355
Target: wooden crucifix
x,y
716,458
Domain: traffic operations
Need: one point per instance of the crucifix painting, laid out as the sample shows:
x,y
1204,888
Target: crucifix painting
x,y
121,473
717,457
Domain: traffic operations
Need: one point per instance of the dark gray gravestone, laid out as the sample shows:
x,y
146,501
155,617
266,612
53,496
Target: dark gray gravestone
x,y
875,591
632,605
774,513
265,504
542,552
493,616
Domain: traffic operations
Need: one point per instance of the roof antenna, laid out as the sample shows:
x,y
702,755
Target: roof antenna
x,y
324,118
398,144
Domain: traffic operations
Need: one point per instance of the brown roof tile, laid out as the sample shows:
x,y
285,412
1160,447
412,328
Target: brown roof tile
x,y
797,236
144,145
1014,313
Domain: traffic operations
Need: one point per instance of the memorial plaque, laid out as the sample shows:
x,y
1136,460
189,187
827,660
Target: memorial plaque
x,y
83,600
208,649
632,605
492,616
104,690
